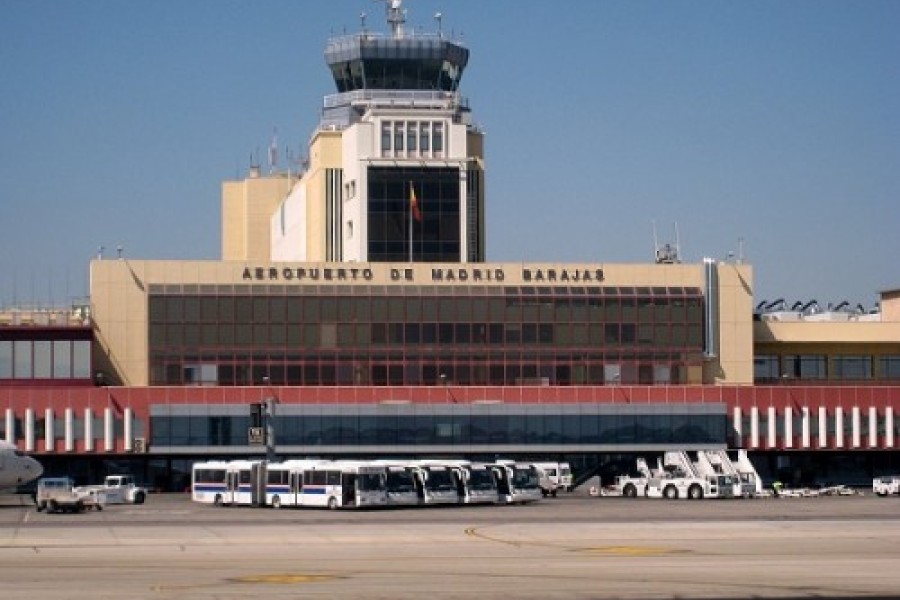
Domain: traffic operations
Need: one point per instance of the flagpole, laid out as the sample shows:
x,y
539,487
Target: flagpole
x,y
410,223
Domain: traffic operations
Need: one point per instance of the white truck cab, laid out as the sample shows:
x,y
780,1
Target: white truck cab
x,y
118,489
886,486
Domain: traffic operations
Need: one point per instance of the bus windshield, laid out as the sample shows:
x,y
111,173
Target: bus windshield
x,y
400,481
524,478
370,482
441,480
481,480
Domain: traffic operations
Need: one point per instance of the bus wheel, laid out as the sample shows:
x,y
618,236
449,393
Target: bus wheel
x,y
332,503
276,501
218,500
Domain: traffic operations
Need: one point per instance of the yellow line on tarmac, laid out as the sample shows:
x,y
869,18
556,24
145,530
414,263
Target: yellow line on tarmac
x,y
602,550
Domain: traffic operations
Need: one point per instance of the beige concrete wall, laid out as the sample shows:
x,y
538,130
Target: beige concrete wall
x,y
825,332
324,153
734,364
119,291
890,305
247,208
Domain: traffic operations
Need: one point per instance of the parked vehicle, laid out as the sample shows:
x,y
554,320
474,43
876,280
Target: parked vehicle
x,y
116,489
58,494
554,476
888,485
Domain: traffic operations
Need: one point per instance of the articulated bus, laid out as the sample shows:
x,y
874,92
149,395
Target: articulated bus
x,y
317,483
345,484
231,482
284,482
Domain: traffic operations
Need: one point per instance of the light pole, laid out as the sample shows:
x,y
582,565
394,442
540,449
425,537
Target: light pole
x,y
269,415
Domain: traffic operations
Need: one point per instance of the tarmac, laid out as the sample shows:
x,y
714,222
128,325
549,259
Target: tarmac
x,y
572,547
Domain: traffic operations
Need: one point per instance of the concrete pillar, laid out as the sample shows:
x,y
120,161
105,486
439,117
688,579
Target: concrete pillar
x,y
129,437
109,428
88,430
805,427
823,427
754,427
29,429
69,435
49,433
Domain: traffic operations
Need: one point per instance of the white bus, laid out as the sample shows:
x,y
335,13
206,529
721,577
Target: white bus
x,y
227,483
479,484
284,482
347,484
438,482
516,482
401,483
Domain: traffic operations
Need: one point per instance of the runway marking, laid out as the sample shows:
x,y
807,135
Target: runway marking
x,y
286,578
604,550
632,550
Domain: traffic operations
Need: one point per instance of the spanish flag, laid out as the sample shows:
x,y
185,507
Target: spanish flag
x,y
414,203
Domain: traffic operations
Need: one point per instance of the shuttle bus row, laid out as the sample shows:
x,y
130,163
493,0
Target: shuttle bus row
x,y
362,484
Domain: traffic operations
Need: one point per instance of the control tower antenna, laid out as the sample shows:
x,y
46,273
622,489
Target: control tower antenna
x,y
667,254
396,16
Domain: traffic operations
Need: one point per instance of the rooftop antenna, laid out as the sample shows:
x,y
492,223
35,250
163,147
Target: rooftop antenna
x,y
273,151
668,253
396,16
100,250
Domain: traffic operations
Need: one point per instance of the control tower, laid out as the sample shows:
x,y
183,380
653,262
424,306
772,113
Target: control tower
x,y
396,170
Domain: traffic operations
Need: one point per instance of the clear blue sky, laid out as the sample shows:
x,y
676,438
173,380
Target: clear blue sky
x,y
773,122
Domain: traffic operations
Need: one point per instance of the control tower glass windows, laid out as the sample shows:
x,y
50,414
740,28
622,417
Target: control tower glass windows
x,y
437,142
385,137
398,136
411,133
423,137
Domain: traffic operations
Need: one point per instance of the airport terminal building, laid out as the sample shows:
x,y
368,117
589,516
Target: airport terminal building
x,y
354,301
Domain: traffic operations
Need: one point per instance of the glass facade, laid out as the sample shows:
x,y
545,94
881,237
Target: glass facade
x,y
45,355
424,335
435,228
420,426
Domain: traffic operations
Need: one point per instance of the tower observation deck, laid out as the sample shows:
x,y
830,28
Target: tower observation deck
x,y
399,69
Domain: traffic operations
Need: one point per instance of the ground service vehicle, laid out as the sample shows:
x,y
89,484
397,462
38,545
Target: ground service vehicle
x,y
680,477
886,486
58,494
116,489
632,486
554,476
